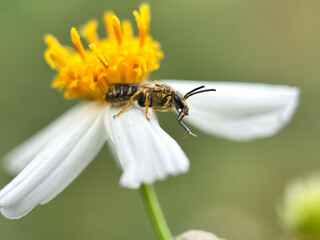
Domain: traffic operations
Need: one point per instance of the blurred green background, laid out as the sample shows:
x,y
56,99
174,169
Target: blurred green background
x,y
232,189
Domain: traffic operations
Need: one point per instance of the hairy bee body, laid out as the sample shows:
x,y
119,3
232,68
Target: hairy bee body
x,y
160,97
121,93
155,95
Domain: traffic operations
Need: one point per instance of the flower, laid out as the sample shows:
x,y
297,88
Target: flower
x,y
300,211
50,160
197,235
120,58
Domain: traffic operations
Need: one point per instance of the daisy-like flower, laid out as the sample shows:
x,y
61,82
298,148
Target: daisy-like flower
x,y
50,160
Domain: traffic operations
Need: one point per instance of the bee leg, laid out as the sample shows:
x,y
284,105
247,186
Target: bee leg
x,y
162,110
147,103
179,118
154,113
132,99
146,112
168,102
166,109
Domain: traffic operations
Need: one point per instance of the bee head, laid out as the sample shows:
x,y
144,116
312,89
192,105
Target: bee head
x,y
180,104
180,101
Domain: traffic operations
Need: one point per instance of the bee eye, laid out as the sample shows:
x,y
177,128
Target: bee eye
x,y
178,101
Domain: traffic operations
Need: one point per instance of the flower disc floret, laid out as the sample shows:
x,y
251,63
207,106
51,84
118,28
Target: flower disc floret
x,y
119,58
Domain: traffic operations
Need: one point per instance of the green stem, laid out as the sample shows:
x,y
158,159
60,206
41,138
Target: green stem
x,y
154,211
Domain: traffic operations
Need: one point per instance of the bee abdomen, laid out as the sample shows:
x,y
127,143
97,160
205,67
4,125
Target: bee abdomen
x,y
120,93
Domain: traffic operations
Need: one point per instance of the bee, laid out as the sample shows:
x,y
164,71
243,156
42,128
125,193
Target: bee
x,y
160,97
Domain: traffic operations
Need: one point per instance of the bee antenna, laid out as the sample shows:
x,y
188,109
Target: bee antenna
x,y
193,90
193,93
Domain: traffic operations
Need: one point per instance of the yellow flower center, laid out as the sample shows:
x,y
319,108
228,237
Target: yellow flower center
x,y
120,58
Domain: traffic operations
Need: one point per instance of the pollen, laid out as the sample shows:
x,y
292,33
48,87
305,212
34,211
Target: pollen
x,y
88,72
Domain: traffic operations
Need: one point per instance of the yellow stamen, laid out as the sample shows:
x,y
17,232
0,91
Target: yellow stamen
x,y
145,14
48,58
77,42
99,55
51,41
89,31
107,17
56,54
119,58
117,29
127,29
142,27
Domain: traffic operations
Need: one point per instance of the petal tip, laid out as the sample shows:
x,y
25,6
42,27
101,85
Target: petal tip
x,y
146,152
292,104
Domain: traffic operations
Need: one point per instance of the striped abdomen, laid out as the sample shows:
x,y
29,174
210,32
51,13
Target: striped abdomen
x,y
120,93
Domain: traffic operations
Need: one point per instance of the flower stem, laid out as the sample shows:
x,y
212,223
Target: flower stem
x,y
154,211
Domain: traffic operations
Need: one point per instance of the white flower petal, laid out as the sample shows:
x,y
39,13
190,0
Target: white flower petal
x,y
197,235
145,151
239,111
56,165
20,156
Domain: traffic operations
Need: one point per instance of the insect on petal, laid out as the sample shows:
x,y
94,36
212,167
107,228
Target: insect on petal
x,y
239,111
145,151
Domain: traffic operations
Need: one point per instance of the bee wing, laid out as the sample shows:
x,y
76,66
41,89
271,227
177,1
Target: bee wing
x,y
154,87
239,111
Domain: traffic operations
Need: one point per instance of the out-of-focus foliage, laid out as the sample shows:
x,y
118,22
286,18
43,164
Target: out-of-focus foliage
x,y
232,188
300,211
